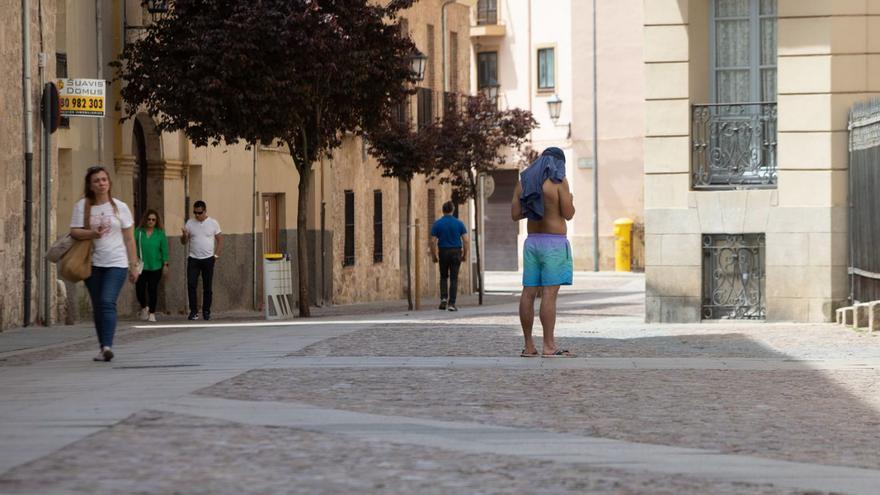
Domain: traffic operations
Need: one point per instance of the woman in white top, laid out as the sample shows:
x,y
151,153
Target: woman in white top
x,y
111,229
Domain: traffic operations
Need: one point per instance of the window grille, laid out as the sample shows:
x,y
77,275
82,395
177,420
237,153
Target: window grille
x,y
377,226
733,277
426,106
432,207
349,229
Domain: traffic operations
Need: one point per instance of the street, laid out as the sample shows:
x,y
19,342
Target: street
x,y
390,401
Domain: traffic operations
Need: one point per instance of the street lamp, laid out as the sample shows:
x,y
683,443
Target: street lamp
x,y
418,61
554,105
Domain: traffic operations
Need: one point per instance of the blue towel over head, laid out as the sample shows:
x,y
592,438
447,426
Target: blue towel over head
x,y
550,165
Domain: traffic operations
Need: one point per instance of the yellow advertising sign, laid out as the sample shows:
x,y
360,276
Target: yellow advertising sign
x,y
82,97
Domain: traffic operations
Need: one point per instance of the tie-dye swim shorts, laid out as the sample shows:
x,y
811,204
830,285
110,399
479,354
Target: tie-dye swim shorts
x,y
546,260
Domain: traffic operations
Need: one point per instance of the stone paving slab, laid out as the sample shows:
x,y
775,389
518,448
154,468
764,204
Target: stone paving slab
x,y
803,416
535,444
161,452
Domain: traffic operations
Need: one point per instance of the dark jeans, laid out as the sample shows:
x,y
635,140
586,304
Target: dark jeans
x,y
104,286
450,261
147,288
195,267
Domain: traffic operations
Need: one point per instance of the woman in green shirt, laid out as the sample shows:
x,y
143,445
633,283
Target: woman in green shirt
x,y
152,248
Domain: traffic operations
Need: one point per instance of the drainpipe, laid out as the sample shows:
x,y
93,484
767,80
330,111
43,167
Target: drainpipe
x,y
595,150
254,224
99,50
28,156
443,29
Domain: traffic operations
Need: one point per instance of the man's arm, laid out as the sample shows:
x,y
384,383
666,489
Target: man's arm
x,y
566,200
218,244
465,246
184,235
516,208
432,244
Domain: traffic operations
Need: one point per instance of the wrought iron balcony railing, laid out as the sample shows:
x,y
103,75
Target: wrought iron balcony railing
x,y
734,146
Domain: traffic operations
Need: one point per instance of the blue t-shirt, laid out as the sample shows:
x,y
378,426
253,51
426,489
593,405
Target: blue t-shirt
x,y
448,231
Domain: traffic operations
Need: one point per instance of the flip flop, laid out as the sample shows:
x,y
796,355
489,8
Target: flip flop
x,y
560,353
528,354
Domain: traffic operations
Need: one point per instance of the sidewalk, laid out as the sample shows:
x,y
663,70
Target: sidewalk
x,y
501,288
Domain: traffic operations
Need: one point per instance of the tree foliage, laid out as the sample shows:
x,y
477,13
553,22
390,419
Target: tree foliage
x,y
474,141
402,151
477,139
304,72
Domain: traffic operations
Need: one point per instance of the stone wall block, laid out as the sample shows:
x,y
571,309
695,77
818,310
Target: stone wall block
x,y
671,221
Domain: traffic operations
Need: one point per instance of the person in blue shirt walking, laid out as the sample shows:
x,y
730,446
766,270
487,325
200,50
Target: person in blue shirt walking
x,y
449,247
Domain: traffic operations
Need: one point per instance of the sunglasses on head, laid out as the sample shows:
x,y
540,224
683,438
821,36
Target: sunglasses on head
x,y
96,168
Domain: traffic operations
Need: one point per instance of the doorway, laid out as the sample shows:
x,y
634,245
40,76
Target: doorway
x,y
500,244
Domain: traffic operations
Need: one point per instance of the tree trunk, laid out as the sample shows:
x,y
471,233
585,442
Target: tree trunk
x,y
409,292
478,217
302,246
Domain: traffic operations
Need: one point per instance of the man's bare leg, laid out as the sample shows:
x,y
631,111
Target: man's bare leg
x,y
527,317
548,317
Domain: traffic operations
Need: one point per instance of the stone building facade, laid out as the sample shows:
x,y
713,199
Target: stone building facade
x,y
746,154
251,192
14,299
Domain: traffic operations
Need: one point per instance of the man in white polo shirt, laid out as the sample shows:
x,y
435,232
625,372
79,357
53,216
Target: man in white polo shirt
x,y
205,244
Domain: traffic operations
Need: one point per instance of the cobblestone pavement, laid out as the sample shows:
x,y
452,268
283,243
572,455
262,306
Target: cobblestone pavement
x,y
796,416
129,433
157,452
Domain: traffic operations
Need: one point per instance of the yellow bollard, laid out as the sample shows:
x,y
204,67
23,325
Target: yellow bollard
x,y
623,244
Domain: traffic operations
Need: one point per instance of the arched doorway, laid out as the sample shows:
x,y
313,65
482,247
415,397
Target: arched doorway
x,y
139,174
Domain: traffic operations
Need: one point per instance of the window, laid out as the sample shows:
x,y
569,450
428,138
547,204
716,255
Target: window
x,y
426,106
432,207
377,226
349,229
401,112
487,69
487,12
61,73
546,69
743,51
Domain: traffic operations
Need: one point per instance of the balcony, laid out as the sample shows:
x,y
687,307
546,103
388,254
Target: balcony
x,y
734,146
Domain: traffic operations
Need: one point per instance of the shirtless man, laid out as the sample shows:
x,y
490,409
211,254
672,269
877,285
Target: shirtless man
x,y
547,263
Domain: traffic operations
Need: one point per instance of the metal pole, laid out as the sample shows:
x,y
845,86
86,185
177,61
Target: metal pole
x,y
595,151
256,304
45,206
28,157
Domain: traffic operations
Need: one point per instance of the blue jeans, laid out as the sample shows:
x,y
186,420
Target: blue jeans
x,y
104,286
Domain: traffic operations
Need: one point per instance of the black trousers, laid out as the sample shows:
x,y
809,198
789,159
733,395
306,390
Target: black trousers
x,y
194,268
450,262
147,288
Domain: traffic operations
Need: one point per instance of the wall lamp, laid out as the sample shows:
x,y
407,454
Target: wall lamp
x,y
554,105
